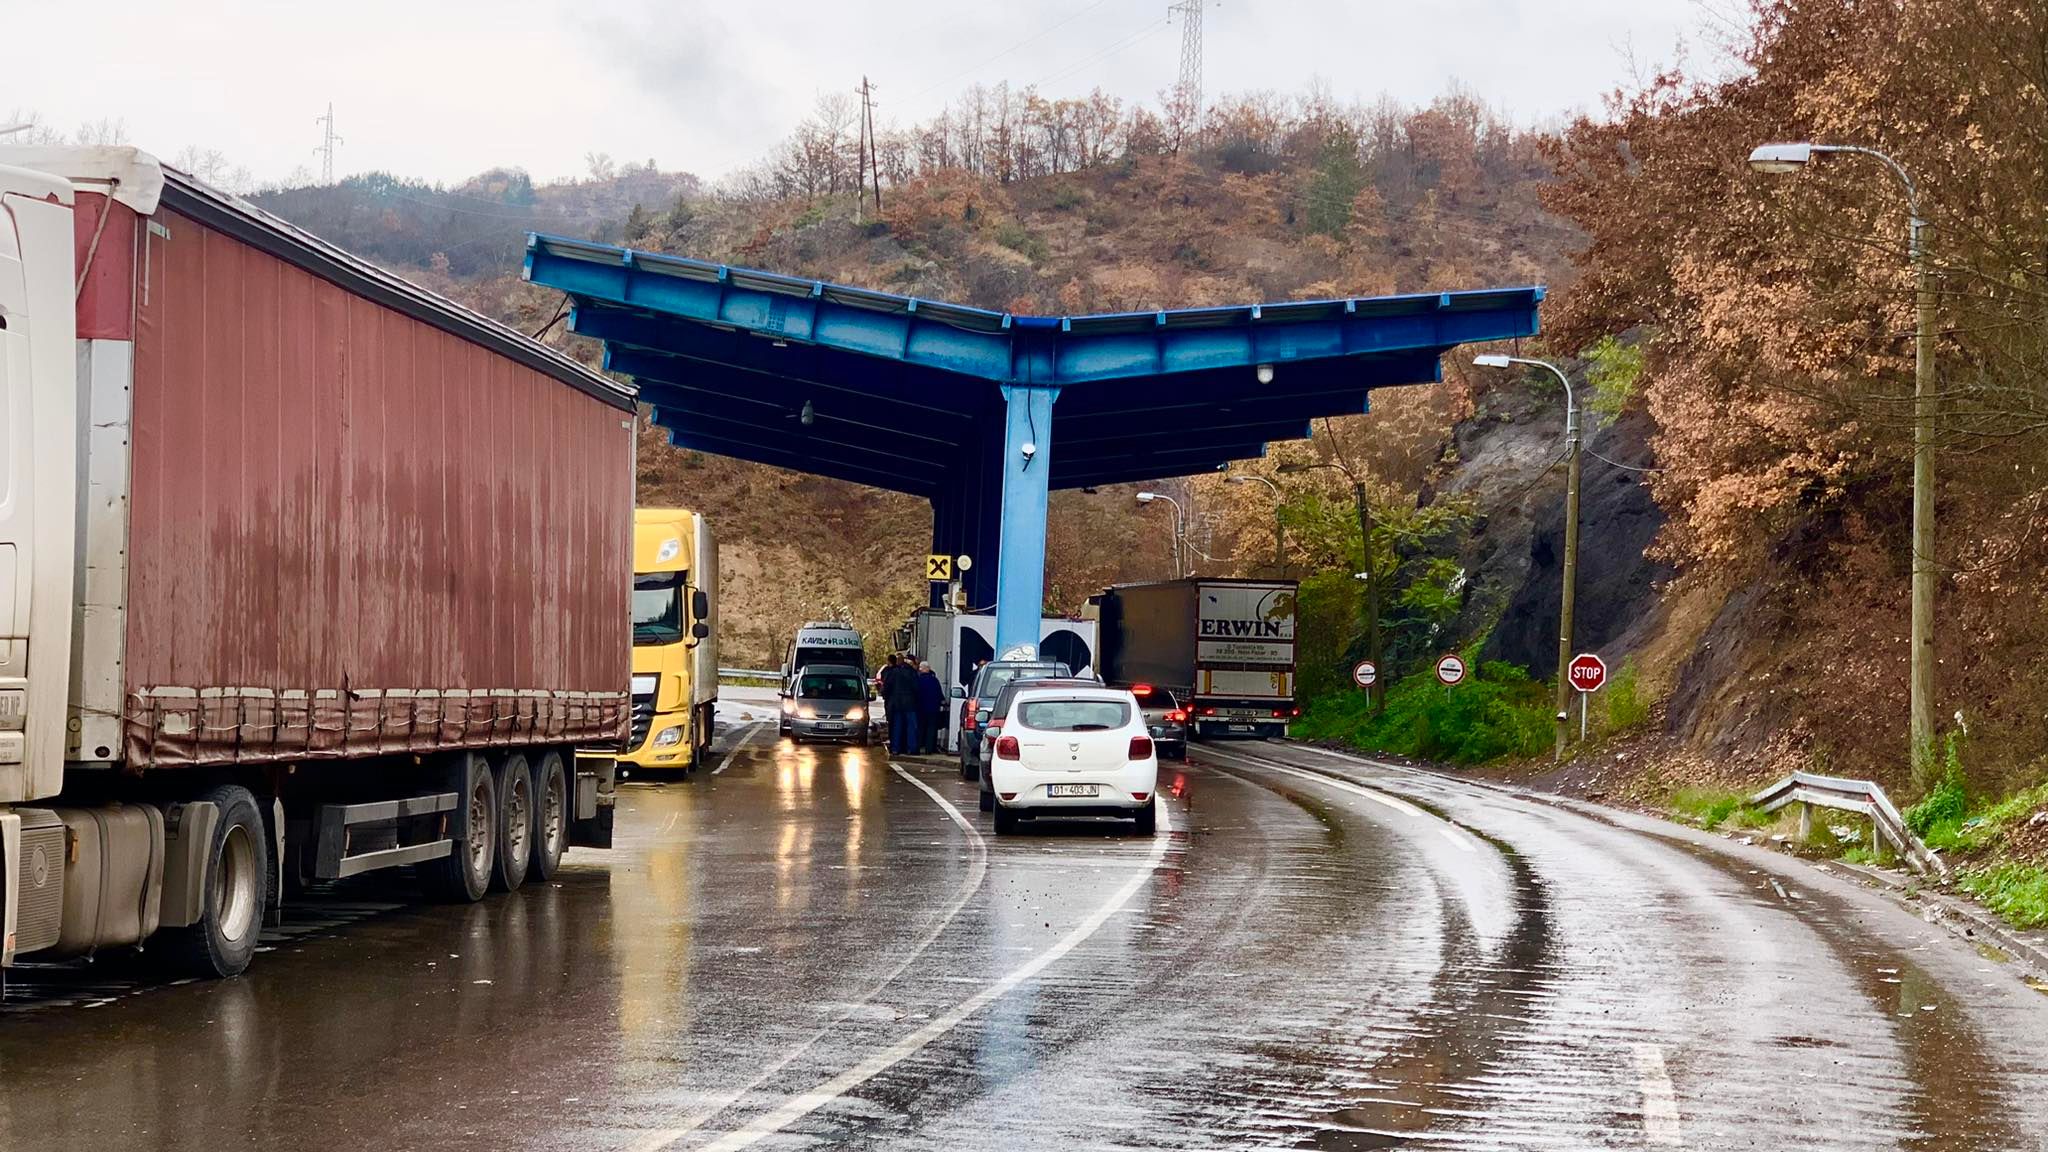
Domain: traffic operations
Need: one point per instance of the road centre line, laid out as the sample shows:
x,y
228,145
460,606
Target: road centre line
x,y
803,1104
976,874
1446,830
1660,1101
756,726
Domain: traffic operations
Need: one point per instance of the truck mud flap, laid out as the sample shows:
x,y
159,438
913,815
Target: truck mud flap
x,y
594,800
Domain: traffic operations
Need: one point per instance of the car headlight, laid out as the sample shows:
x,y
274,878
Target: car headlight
x,y
807,712
855,714
788,706
668,738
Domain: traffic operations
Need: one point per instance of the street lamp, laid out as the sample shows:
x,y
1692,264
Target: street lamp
x,y
1279,525
1786,158
1571,533
1178,520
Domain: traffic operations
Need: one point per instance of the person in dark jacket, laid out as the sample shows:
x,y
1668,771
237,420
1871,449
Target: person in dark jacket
x,y
931,707
899,698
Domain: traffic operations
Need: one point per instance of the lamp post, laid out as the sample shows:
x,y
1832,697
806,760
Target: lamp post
x,y
1279,525
1571,535
1178,526
1789,158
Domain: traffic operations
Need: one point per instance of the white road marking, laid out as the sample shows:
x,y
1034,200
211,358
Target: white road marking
x,y
737,745
1449,832
805,1103
1660,1102
654,1141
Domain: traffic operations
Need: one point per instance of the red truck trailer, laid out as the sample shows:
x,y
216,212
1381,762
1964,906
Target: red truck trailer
x,y
306,571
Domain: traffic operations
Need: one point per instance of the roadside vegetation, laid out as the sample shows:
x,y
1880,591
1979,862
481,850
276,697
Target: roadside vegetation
x,y
1497,712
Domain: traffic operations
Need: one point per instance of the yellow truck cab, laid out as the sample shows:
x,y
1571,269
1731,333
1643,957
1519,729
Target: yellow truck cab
x,y
675,640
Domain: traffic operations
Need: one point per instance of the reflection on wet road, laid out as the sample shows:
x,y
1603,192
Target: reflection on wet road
x,y
810,947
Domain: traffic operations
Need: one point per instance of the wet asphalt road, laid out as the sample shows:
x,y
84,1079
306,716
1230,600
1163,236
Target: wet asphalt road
x,y
812,948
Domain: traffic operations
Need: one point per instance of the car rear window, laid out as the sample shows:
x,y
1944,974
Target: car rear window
x,y
1074,715
999,678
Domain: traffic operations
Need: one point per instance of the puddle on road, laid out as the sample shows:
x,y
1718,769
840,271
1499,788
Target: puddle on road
x,y
1483,1001
1952,1102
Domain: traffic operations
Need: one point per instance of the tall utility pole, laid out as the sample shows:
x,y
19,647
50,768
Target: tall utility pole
x,y
327,142
870,156
1190,51
1571,535
1779,159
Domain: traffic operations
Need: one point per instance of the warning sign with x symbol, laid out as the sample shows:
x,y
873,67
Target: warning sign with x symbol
x,y
938,569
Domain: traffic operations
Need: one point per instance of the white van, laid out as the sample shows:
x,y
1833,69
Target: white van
x,y
818,642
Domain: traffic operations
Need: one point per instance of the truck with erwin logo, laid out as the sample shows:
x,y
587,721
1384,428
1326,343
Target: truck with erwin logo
x,y
1225,647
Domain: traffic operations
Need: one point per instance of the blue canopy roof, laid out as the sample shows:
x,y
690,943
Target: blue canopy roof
x,y
907,394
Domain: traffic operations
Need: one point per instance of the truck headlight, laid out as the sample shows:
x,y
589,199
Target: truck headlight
x,y
855,715
668,738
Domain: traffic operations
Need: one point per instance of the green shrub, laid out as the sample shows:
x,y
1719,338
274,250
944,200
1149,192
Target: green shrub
x,y
1708,807
1497,713
1945,806
2017,892
1626,704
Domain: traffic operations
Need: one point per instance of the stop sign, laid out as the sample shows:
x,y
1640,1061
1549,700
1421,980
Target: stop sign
x,y
1587,672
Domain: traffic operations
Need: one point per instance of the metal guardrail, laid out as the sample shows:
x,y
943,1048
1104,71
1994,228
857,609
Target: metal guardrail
x,y
1860,796
750,673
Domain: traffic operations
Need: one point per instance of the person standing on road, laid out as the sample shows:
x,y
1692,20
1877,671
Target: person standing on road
x,y
931,707
899,699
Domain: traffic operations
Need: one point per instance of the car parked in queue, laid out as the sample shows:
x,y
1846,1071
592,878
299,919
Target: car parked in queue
x,y
1069,748
989,681
830,702
1167,719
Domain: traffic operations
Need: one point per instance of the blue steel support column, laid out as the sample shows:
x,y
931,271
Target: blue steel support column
x,y
1026,478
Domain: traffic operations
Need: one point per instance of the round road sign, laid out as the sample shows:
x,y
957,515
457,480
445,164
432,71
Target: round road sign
x,y
1363,673
1587,672
1450,668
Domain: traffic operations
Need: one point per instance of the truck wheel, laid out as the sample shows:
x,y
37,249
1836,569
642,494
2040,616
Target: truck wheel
x,y
550,815
515,822
231,908
464,875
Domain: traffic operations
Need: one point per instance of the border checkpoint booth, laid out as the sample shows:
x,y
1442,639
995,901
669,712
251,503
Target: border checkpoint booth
x,y
985,413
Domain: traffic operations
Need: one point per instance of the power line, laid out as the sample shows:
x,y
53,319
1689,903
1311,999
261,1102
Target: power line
x,y
1033,39
1148,30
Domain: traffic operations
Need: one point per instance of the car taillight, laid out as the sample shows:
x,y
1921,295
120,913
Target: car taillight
x,y
1141,747
1006,749
1176,717
1141,689
967,722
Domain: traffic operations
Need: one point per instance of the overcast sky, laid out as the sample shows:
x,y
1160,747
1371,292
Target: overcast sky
x,y
441,89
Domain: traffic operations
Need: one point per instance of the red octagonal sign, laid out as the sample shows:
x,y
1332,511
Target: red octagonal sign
x,y
1587,672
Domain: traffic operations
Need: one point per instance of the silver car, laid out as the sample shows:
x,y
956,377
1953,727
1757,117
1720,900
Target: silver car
x,y
829,702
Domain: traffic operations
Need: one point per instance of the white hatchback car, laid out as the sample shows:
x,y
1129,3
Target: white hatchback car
x,y
1073,750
